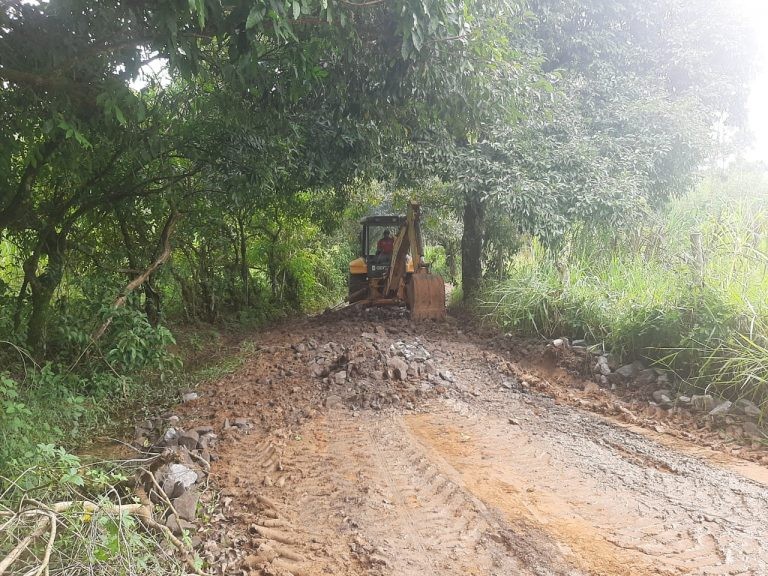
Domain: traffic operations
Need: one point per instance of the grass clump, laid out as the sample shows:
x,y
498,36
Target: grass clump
x,y
628,306
686,288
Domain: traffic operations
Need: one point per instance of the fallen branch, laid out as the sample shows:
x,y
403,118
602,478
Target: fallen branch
x,y
48,521
91,507
202,461
43,568
151,523
160,491
39,530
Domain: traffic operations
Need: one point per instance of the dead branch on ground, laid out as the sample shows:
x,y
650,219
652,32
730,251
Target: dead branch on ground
x,y
51,515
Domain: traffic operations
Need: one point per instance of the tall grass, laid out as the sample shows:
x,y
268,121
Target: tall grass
x,y
656,291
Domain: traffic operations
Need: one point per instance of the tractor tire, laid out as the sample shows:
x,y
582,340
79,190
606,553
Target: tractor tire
x,y
358,284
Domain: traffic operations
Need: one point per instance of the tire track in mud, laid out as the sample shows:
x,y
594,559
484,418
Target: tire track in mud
x,y
456,491
484,481
710,519
617,515
254,478
401,515
399,509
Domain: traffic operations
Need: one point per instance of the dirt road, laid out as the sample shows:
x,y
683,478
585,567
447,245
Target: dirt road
x,y
376,447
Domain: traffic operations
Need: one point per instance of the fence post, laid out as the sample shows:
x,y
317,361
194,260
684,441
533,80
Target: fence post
x,y
698,258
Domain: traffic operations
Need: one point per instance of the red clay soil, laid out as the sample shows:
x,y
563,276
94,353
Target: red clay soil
x,y
375,446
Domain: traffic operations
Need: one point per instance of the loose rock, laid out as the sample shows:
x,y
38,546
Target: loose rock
x,y
242,423
171,437
186,505
702,402
181,474
602,367
413,351
189,440
173,524
752,430
663,397
332,400
629,372
721,409
646,377
398,368
746,408
178,525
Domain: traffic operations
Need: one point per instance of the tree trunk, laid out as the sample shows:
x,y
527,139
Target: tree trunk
x,y
472,246
450,262
205,283
272,270
151,296
272,265
42,294
152,302
500,258
12,202
43,288
245,271
29,267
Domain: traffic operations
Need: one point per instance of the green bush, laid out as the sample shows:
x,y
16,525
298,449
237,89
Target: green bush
x,y
60,402
134,345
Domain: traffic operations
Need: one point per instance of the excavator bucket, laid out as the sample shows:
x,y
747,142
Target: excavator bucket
x,y
425,296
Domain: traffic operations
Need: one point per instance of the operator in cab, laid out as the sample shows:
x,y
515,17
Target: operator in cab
x,y
385,245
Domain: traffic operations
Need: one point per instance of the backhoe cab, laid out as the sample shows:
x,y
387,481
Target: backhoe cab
x,y
402,277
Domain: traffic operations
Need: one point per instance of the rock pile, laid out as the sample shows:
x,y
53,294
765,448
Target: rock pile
x,y
373,372
180,469
608,374
739,418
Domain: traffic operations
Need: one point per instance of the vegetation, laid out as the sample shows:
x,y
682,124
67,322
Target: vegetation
x,y
171,165
686,288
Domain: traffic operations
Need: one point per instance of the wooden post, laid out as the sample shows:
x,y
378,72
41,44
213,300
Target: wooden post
x,y
698,258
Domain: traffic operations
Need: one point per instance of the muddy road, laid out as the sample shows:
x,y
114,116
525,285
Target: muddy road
x,y
374,446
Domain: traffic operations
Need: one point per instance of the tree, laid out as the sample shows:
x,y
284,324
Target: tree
x,y
625,127
268,100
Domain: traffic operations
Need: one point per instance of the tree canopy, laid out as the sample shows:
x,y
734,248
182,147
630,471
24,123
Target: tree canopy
x,y
269,118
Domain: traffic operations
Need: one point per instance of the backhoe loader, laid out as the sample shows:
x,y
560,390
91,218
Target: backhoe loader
x,y
380,277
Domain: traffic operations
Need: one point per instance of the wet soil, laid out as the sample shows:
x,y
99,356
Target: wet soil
x,y
498,467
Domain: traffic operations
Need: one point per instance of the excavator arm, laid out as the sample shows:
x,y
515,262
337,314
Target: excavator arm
x,y
424,292
403,241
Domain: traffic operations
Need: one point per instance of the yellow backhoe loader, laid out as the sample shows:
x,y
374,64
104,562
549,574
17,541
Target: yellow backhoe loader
x,y
382,277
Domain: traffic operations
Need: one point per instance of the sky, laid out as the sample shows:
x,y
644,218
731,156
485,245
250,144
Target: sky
x,y
756,11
